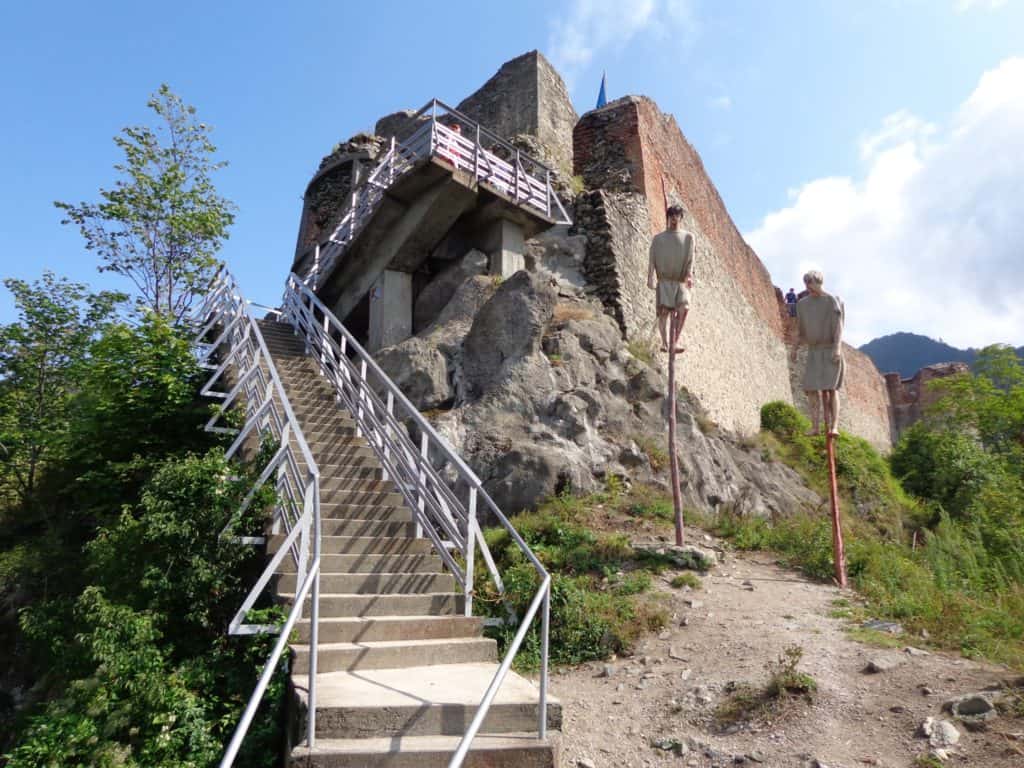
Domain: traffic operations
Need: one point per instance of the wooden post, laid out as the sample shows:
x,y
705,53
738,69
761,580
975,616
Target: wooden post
x,y
837,526
677,496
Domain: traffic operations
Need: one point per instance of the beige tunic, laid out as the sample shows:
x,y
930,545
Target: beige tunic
x,y
820,321
672,261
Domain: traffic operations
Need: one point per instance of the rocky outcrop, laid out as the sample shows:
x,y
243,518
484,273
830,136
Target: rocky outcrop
x,y
545,395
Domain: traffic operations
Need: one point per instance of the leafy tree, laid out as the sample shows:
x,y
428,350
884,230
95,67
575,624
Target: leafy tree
x,y
41,357
163,221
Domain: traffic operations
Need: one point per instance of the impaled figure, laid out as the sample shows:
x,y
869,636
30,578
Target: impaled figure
x,y
820,317
670,273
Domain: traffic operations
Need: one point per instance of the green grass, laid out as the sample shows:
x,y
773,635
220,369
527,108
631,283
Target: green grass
x,y
686,579
643,350
601,600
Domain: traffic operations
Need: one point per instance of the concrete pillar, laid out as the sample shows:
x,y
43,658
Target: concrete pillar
x,y
390,310
505,245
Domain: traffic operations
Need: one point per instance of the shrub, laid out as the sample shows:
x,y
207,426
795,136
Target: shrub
x,y
783,420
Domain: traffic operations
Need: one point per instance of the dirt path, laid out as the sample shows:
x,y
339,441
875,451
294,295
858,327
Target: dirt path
x,y
748,611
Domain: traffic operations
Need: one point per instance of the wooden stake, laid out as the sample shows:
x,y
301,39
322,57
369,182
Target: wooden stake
x,y
677,496
837,526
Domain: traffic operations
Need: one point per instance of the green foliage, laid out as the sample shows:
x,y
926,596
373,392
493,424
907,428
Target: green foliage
x,y
687,579
783,420
785,678
163,221
41,358
599,603
145,673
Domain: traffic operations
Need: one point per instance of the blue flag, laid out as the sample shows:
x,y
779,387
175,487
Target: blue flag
x,y
601,98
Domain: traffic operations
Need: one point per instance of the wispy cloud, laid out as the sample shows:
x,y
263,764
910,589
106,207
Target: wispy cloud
x,y
590,26
721,102
927,238
962,6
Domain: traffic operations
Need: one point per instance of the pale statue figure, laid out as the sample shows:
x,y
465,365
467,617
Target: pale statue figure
x,y
670,273
820,317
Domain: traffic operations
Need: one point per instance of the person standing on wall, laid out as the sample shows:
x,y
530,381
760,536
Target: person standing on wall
x,y
670,273
820,317
791,302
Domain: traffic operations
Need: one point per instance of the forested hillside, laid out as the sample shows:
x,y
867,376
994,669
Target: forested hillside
x,y
907,353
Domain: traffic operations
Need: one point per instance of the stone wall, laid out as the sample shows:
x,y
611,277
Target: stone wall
x,y
527,97
736,337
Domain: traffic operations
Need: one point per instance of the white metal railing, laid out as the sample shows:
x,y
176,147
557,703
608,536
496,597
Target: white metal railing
x,y
443,492
242,354
451,136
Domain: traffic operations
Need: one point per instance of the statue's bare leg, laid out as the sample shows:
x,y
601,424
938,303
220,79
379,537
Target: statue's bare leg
x,y
681,315
663,318
814,402
831,411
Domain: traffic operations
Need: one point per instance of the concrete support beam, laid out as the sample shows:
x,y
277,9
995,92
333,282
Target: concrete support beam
x,y
505,244
390,310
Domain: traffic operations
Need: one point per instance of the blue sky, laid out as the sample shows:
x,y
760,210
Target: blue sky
x,y
795,107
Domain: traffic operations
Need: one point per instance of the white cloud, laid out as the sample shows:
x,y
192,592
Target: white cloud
x,y
592,25
721,102
962,6
930,237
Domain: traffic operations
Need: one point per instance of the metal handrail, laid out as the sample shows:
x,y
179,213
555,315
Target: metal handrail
x,y
519,176
386,419
269,413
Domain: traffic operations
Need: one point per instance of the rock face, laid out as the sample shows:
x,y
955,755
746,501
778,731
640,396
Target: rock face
x,y
541,393
635,158
909,397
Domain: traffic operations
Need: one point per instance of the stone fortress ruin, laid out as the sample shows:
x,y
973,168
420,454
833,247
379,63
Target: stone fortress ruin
x,y
515,318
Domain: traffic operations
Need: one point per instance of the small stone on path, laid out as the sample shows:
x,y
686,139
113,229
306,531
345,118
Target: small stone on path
x,y
881,664
585,762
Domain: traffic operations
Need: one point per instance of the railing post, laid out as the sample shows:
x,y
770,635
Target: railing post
x,y
476,155
324,345
547,191
469,550
515,180
391,163
386,439
361,399
422,503
314,619
545,618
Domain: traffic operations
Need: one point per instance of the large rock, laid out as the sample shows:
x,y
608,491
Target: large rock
x,y
420,370
506,331
439,291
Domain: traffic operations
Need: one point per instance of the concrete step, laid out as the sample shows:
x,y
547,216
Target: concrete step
x,y
349,606
375,583
342,453
335,564
362,545
393,513
430,700
344,496
365,630
349,483
347,527
511,750
390,654
370,470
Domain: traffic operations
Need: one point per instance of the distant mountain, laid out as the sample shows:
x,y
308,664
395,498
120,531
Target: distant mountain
x,y
910,352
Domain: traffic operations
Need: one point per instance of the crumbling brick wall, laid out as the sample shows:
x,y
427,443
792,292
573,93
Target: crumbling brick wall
x,y
737,337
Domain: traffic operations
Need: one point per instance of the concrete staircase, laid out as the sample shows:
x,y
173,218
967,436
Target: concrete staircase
x,y
401,670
